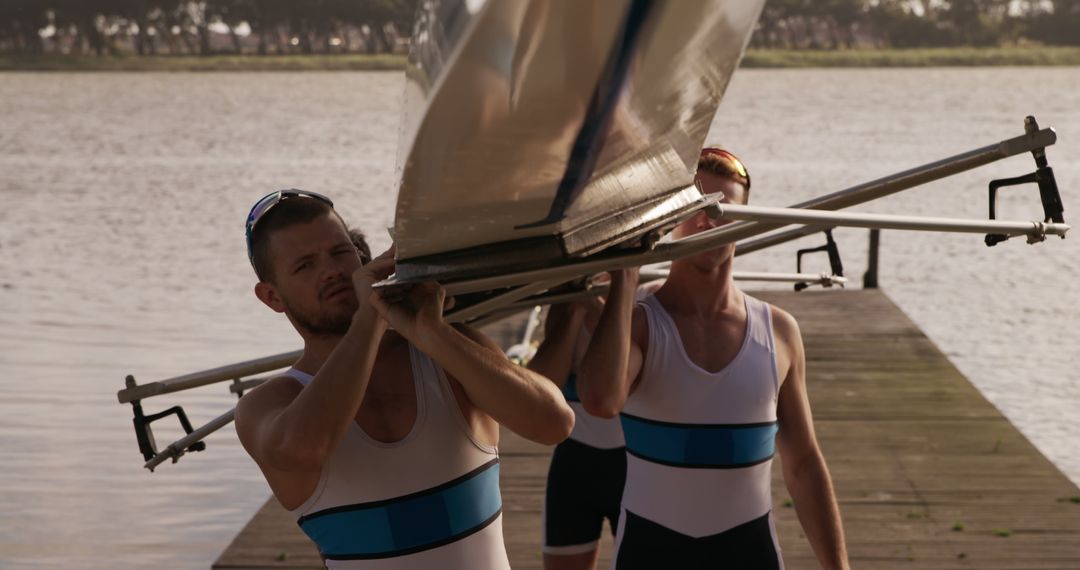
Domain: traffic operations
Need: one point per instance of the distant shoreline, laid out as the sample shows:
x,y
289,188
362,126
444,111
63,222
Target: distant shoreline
x,y
224,62
914,57
755,58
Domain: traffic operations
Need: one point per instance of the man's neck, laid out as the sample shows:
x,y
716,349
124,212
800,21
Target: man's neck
x,y
706,293
317,349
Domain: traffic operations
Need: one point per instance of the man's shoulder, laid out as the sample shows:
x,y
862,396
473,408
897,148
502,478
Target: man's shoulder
x,y
785,327
276,390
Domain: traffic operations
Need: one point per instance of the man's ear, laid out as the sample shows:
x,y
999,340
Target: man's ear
x,y
269,296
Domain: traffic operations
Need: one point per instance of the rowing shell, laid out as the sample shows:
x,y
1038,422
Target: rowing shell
x,y
538,130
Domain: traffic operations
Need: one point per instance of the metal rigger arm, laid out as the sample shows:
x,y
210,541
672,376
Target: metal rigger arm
x,y
528,288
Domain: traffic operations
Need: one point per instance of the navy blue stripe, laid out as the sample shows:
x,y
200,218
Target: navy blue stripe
x,y
594,129
720,446
679,425
685,465
423,547
570,390
410,523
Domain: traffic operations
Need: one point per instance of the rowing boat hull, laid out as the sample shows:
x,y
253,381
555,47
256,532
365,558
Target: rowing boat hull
x,y
538,130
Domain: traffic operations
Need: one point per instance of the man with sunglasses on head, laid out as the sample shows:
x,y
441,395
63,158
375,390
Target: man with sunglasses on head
x,y
710,382
381,443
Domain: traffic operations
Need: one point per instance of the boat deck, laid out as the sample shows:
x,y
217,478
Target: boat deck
x,y
927,472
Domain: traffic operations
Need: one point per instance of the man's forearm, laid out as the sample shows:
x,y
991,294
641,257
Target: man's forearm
x,y
522,400
322,412
815,504
603,383
554,358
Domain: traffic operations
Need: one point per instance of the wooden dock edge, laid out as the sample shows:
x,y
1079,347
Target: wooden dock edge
x,y
928,473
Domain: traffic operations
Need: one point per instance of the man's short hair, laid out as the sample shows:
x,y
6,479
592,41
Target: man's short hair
x,y
286,213
361,244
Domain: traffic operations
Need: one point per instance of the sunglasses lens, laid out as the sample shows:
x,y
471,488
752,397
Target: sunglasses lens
x,y
261,207
738,166
732,160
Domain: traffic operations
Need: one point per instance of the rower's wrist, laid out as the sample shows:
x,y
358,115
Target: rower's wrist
x,y
565,317
367,318
625,278
431,335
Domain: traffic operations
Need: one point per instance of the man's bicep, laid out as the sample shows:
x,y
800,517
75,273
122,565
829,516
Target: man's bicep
x,y
796,438
639,341
790,357
796,435
482,422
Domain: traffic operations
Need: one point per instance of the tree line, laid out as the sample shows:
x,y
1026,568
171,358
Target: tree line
x,y
847,24
149,27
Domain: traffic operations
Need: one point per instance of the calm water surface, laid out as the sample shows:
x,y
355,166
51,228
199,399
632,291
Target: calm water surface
x,y
121,252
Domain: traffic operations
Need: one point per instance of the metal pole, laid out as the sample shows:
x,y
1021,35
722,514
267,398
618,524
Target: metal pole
x,y
720,236
764,242
907,179
179,447
499,301
870,278
647,275
825,279
202,378
933,171
1036,231
741,230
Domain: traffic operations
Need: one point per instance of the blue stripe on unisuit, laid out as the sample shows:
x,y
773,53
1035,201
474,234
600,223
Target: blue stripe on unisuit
x,y
697,445
411,523
570,390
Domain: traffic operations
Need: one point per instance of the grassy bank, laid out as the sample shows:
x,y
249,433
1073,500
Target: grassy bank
x,y
922,57
349,62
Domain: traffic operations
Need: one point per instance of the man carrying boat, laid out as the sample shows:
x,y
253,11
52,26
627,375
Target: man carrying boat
x,y
587,471
709,383
381,443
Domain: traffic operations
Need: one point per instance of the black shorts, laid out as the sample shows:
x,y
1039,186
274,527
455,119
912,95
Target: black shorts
x,y
584,487
648,545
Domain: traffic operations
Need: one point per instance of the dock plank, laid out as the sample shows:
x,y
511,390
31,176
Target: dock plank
x,y
927,472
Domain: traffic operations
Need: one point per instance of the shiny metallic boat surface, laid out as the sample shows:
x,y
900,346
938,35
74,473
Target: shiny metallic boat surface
x,y
536,130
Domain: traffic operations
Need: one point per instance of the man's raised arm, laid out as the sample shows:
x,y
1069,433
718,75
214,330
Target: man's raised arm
x,y
522,400
613,360
555,356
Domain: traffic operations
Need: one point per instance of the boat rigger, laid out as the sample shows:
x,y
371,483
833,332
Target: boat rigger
x,y
500,295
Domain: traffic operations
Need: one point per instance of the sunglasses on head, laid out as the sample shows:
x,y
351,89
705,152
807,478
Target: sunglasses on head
x,y
731,159
267,203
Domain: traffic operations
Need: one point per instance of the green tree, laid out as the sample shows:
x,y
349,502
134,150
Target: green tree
x,y
20,21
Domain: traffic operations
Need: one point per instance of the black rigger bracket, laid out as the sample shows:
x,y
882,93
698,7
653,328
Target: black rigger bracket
x,y
835,264
1053,209
143,433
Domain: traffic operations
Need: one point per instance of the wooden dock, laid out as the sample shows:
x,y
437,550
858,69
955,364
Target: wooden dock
x,y
928,473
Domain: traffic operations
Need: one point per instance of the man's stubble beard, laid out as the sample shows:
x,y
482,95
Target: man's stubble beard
x,y
324,324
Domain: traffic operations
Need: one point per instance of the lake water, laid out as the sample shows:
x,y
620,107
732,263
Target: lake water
x,y
121,252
